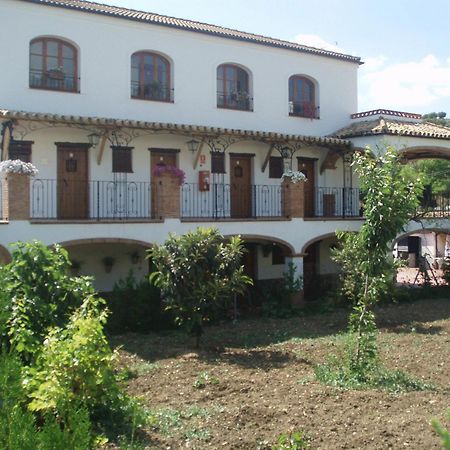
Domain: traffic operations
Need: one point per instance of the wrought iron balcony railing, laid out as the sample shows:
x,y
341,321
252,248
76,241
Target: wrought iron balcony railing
x,y
152,91
223,201
304,109
93,200
337,202
55,80
235,100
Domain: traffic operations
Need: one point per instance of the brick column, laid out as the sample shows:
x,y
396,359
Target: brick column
x,y
168,192
294,198
16,196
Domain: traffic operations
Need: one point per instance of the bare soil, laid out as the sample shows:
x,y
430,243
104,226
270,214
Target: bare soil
x,y
254,380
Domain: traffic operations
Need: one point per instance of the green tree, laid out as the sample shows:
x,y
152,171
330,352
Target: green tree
x,y
37,293
197,273
439,118
390,200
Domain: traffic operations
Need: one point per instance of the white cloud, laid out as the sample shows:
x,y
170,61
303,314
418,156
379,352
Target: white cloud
x,y
414,86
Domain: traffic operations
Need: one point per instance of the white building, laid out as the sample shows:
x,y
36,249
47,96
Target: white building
x,y
109,103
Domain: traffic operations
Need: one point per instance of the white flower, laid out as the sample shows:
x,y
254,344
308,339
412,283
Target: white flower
x,y
17,166
294,175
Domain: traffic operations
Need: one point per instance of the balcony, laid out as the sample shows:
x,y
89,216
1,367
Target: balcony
x,y
155,91
335,202
93,200
235,100
111,200
227,201
304,109
435,206
54,80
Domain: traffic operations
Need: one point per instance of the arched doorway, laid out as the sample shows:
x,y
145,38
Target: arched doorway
x,y
320,272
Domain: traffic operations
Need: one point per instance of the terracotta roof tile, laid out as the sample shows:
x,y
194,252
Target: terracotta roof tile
x,y
383,125
197,130
190,25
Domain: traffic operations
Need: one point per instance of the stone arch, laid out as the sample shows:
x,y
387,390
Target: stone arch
x,y
5,256
262,238
315,239
425,152
76,242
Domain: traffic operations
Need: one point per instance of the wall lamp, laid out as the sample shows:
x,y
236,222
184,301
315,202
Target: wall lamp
x,y
193,145
93,139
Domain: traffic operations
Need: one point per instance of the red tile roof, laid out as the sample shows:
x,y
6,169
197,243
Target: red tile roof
x,y
189,25
184,129
386,125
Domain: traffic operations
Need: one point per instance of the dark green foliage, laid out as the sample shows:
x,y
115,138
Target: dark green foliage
x,y
136,306
37,293
197,273
446,270
276,299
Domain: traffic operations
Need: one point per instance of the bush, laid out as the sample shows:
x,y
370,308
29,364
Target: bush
x,y
136,306
75,369
37,293
18,430
198,272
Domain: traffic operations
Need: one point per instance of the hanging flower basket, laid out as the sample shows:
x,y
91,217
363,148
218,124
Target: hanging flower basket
x,y
294,176
17,166
174,171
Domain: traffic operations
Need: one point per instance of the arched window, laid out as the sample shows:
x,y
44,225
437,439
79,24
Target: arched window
x,y
150,77
53,65
302,97
233,90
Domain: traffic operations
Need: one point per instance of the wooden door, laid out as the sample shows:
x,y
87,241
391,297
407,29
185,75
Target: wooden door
x,y
307,166
159,158
240,186
72,182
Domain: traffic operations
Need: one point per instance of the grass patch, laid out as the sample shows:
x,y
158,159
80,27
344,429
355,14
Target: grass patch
x,y
339,375
169,422
204,379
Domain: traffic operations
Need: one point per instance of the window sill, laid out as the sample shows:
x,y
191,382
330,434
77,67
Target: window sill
x,y
234,109
303,117
152,100
67,91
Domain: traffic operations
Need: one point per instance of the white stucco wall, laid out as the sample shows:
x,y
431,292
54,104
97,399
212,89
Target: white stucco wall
x,y
106,45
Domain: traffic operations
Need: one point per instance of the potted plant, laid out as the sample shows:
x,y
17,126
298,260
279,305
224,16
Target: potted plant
x,y
174,171
56,73
108,263
295,176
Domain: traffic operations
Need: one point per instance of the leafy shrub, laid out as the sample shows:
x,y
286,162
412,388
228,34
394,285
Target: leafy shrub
x,y
136,306
292,441
75,367
37,293
198,272
18,430
277,298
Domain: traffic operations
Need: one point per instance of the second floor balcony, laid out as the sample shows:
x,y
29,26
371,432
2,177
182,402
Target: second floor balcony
x,y
113,200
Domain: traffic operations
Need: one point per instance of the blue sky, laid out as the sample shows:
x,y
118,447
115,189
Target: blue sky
x,y
405,43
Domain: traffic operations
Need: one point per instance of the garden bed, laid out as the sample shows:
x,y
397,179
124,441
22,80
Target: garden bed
x,y
254,380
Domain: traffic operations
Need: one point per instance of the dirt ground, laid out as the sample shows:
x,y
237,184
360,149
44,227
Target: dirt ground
x,y
254,380
407,276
